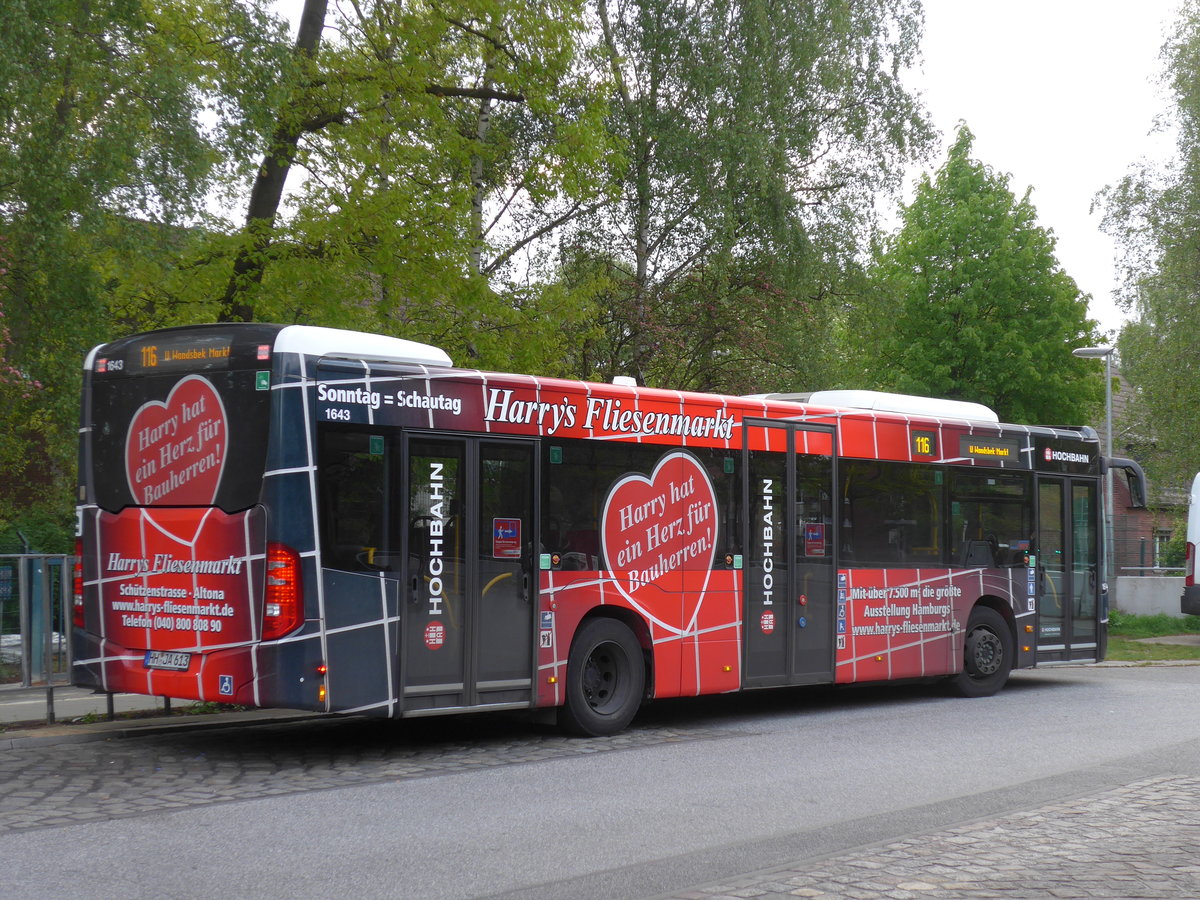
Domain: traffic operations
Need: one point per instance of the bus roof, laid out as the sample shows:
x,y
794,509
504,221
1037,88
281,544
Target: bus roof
x,y
930,407
337,342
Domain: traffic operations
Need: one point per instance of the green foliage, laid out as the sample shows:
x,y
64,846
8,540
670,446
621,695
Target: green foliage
x,y
1154,215
440,143
682,192
1174,553
114,113
970,303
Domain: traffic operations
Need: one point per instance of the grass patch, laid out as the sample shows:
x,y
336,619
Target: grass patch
x,y
1125,625
1125,630
1121,649
10,672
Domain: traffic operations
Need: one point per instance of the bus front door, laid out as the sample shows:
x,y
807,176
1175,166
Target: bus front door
x,y
1068,570
790,570
468,618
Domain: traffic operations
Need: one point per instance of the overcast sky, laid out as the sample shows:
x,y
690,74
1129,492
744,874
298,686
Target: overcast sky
x,y
1060,94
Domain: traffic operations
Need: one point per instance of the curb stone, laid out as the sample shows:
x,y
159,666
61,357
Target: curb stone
x,y
48,736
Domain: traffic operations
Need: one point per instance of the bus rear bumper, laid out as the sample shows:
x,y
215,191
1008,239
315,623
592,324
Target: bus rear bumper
x,y
220,676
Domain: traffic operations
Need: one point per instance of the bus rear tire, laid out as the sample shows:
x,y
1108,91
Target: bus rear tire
x,y
606,676
988,651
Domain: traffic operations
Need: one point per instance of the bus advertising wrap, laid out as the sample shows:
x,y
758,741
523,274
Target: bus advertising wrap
x,y
658,541
175,585
170,577
552,408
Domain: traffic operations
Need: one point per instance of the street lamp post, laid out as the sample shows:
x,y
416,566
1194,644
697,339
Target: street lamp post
x,y
1106,353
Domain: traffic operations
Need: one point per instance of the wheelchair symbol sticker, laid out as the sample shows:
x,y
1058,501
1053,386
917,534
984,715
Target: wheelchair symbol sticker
x,y
225,685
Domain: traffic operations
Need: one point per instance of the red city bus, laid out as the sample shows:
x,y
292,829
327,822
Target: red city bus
x,y
291,516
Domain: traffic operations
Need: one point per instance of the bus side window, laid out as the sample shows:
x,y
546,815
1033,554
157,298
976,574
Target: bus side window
x,y
990,520
891,513
353,500
581,474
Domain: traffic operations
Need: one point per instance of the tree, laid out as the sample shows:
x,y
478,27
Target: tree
x,y
971,303
267,190
1154,215
21,446
758,135
439,143
116,118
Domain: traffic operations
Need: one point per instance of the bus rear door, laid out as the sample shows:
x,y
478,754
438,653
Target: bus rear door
x,y
790,592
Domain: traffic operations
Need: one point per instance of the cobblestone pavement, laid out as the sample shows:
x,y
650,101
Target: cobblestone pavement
x,y
73,783
1138,841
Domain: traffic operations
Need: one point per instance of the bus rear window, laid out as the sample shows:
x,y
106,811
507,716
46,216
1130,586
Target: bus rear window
x,y
163,440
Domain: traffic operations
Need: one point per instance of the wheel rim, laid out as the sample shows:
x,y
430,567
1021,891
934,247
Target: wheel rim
x,y
603,677
985,653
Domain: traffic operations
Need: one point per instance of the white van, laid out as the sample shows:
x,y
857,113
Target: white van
x,y
1190,602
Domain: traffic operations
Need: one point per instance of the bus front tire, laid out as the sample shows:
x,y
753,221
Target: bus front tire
x,y
988,652
606,676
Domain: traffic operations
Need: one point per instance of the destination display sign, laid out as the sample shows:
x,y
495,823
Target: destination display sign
x,y
1001,451
166,353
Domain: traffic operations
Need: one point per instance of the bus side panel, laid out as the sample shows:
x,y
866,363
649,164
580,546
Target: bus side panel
x,y
172,601
710,644
910,623
362,635
695,633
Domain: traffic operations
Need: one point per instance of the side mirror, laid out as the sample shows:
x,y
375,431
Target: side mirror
x,y
1135,477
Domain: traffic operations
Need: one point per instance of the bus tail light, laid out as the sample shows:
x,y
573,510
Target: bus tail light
x,y
1189,566
283,607
77,586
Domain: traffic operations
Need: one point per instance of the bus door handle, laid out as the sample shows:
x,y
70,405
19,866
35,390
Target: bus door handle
x,y
413,588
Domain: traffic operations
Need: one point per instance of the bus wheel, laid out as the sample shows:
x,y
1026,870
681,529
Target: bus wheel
x,y
987,655
606,675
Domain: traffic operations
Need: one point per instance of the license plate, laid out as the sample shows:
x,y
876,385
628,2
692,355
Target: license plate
x,y
168,659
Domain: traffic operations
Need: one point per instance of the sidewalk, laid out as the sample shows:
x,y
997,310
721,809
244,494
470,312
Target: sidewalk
x,y
81,716
1133,841
22,704
1183,640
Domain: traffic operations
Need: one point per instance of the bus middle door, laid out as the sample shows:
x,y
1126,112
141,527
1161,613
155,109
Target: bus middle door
x,y
468,618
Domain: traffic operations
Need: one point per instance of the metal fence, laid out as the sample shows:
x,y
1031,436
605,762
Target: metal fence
x,y
35,609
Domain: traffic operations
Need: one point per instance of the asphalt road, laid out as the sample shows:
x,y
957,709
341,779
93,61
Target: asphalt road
x,y
696,792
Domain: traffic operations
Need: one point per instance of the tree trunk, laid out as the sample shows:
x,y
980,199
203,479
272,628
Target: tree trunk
x,y
483,125
265,196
